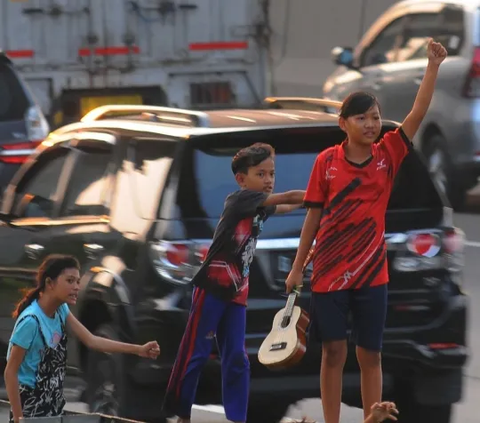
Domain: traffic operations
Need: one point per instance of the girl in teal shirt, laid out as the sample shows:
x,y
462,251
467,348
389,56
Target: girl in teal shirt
x,y
37,352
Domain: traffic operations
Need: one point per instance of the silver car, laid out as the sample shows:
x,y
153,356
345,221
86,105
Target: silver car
x,y
390,61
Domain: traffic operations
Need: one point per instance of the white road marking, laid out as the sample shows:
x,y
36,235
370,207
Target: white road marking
x,y
475,244
216,409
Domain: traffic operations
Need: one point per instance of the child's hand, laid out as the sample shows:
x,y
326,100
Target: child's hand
x,y
295,278
384,411
436,53
149,350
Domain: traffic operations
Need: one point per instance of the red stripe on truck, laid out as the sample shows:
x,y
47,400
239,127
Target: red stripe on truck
x,y
229,45
108,51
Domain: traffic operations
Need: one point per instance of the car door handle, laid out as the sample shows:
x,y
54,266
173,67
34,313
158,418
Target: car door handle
x,y
34,251
93,250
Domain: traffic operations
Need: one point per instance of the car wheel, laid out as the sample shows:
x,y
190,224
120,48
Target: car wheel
x,y
105,381
443,173
267,411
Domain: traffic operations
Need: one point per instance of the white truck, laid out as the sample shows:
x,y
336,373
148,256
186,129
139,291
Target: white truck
x,y
79,54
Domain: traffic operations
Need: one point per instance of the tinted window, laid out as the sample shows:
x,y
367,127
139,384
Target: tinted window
x,y
35,193
446,27
87,189
383,48
14,102
207,177
140,180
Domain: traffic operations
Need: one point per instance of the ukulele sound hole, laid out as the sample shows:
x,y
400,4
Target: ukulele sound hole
x,y
278,346
285,322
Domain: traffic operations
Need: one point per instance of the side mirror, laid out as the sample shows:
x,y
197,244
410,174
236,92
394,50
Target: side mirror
x,y
343,56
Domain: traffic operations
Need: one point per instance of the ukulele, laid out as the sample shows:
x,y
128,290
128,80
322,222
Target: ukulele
x,y
286,343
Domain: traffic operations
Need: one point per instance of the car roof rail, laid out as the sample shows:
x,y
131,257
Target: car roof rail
x,y
303,103
168,115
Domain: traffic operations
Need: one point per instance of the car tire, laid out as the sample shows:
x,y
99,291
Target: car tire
x,y
105,391
267,411
448,180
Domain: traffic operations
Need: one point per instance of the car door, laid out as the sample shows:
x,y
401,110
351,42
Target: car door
x,y
82,226
29,204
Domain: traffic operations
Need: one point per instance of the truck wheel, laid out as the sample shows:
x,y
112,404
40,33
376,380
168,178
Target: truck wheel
x,y
105,380
267,411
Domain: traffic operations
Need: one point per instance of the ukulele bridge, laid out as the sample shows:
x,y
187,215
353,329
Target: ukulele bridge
x,y
278,346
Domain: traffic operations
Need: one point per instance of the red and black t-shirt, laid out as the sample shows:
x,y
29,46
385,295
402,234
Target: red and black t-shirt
x,y
350,250
226,269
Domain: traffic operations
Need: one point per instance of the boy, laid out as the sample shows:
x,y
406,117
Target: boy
x,y
347,198
221,287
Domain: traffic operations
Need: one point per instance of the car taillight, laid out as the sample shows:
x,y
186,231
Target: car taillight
x,y
454,245
19,152
472,83
36,124
431,251
177,262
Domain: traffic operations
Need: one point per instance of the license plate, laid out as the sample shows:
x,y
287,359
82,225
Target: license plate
x,y
89,103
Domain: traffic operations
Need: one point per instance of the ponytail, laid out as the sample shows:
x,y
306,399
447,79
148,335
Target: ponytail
x,y
51,268
29,296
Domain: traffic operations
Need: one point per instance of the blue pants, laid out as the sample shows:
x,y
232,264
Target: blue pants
x,y
209,317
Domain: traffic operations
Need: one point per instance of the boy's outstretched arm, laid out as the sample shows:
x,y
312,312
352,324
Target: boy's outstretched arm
x,y
286,208
283,198
436,55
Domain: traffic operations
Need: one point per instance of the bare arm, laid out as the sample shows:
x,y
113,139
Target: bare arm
x,y
309,231
151,349
17,355
289,197
436,55
287,208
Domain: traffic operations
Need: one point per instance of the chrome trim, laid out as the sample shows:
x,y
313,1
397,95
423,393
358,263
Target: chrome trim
x,y
293,243
24,152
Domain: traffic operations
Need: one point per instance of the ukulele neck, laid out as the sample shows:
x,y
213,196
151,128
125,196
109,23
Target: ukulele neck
x,y
290,306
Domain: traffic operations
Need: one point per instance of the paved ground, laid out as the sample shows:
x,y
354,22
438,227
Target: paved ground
x,y
465,412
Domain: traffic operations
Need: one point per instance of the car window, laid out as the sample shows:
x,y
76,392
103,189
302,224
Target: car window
x,y
140,180
383,47
35,192
446,27
207,178
14,101
418,29
87,189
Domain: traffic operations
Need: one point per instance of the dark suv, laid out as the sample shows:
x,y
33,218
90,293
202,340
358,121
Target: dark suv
x,y
135,193
22,123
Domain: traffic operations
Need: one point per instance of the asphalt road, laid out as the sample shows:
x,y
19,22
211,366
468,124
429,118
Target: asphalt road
x,y
465,412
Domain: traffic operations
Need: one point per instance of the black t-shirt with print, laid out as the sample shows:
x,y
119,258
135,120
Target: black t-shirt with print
x,y
225,271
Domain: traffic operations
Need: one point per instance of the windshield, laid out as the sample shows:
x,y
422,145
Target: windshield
x,y
207,177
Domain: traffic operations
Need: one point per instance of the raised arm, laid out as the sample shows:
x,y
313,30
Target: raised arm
x,y
436,55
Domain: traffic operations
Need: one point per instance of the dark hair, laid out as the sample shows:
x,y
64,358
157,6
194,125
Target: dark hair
x,y
357,103
52,267
251,156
